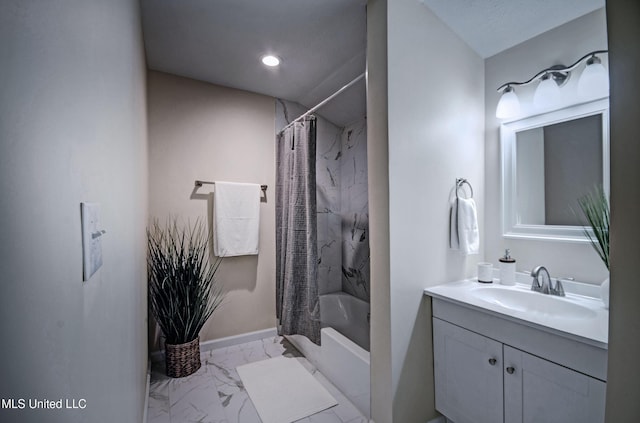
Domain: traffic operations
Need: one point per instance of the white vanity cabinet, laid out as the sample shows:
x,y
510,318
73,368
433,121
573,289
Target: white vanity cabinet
x,y
480,380
468,375
492,367
537,390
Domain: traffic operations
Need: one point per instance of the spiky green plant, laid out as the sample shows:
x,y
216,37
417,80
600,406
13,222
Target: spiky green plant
x,y
595,207
183,291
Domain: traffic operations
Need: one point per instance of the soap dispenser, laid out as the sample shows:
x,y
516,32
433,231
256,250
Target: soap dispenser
x,y
507,269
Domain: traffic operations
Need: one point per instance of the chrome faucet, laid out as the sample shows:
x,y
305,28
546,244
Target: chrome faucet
x,y
536,285
545,286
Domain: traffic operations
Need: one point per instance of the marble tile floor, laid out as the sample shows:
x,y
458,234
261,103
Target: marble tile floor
x,y
215,394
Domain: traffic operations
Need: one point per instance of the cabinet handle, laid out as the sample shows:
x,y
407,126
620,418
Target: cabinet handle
x,y
510,370
492,361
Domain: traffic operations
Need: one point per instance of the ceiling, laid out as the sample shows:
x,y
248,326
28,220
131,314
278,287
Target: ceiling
x,y
491,26
321,44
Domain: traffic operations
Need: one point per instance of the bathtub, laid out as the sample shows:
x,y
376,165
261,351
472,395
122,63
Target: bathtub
x,y
344,362
346,314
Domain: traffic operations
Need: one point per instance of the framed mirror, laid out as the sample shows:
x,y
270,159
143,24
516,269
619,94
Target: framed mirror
x,y
548,162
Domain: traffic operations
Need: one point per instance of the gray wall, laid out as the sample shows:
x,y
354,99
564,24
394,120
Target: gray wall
x,y
72,129
378,179
623,386
564,44
434,134
204,131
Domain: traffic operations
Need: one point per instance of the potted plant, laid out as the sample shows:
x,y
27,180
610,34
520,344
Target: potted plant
x,y
595,208
183,291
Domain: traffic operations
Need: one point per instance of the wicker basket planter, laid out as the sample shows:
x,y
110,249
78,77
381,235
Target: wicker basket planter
x,y
183,359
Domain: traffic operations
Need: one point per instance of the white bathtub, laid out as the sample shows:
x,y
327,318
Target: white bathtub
x,y
341,360
346,314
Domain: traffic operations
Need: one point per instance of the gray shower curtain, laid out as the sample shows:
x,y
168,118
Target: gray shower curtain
x,y
297,304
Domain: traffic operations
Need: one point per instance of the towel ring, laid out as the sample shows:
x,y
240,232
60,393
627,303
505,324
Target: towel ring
x,y
459,183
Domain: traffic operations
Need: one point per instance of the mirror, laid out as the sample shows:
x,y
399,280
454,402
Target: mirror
x,y
548,162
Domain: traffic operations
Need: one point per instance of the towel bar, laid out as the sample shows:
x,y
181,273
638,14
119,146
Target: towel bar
x,y
200,183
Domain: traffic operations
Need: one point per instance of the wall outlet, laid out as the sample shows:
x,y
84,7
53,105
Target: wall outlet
x,y
91,239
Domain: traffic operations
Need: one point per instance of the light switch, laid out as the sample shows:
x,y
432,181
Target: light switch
x,y
91,239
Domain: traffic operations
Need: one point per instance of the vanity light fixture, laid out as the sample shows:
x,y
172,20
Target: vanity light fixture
x,y
509,105
270,60
593,83
594,80
547,93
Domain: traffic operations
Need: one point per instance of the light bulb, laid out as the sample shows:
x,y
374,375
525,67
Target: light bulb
x,y
547,93
270,60
594,81
509,105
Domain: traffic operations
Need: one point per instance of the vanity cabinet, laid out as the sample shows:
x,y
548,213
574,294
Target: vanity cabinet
x,y
481,380
468,375
538,390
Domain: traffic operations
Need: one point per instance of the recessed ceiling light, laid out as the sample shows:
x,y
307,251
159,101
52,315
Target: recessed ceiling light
x,y
270,60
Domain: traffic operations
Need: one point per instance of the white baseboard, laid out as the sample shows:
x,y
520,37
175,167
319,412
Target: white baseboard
x,y
146,394
225,342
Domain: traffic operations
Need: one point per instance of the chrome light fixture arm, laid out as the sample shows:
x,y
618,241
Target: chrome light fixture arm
x,y
560,73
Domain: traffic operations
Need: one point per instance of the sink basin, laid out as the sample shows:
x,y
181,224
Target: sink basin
x,y
580,315
533,302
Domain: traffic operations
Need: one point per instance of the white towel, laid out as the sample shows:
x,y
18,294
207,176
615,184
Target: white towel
x,y
454,244
463,235
236,216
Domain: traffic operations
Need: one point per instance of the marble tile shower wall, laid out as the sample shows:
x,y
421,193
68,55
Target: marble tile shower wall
x,y
339,228
328,182
354,209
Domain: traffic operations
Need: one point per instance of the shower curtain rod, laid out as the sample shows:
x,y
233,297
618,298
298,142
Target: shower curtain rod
x,y
326,100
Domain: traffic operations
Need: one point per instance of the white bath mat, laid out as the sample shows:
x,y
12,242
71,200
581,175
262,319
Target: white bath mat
x,y
283,391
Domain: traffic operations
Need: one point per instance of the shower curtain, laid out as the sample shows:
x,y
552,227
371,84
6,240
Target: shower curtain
x,y
297,303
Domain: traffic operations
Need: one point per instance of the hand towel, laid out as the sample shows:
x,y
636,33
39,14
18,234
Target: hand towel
x,y
454,244
468,235
236,217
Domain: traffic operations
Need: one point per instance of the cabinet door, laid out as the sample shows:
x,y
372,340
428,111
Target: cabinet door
x,y
538,391
468,374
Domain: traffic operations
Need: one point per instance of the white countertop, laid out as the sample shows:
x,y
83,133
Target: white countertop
x,y
592,330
